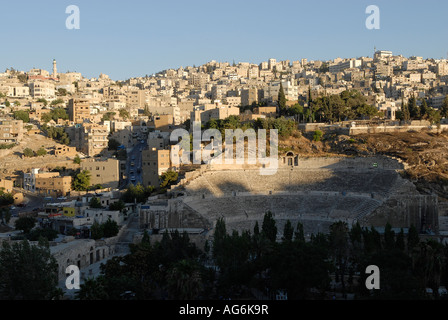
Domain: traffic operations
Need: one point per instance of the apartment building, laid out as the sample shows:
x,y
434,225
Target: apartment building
x,y
249,96
104,172
79,110
135,99
6,185
339,67
65,151
154,163
18,92
90,138
42,89
47,183
11,131
207,112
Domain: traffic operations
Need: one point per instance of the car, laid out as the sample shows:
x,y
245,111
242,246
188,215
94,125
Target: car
x,y
132,164
133,158
133,178
62,198
142,142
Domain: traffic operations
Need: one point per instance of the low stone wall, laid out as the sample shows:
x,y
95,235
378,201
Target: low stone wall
x,y
397,129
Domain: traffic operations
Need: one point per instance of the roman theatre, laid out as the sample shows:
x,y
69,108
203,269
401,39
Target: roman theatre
x,y
315,191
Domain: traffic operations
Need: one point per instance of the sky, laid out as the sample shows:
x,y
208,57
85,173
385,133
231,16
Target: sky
x,y
134,38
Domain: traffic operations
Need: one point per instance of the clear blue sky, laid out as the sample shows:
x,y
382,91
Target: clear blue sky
x,y
137,37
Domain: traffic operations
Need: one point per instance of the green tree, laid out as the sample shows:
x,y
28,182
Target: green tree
x,y
77,159
42,100
168,178
110,228
96,231
25,224
113,144
41,152
220,235
5,214
137,193
444,109
93,289
299,234
317,135
413,238
23,78
47,233
269,228
288,231
27,272
22,115
6,198
282,100
124,114
81,181
425,111
389,237
399,242
414,110
62,92
339,242
184,280
108,116
405,110
95,203
117,206
428,261
27,152
56,102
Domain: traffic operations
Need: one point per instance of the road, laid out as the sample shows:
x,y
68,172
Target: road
x,y
134,164
30,200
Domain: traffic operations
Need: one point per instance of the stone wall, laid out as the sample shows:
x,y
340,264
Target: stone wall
x,y
395,129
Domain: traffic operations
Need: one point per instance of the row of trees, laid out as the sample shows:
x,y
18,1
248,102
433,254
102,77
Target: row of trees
x,y
352,105
168,268
258,260
55,115
29,153
348,105
56,133
284,126
411,111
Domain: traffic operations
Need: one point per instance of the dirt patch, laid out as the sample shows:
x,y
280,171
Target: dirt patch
x,y
13,161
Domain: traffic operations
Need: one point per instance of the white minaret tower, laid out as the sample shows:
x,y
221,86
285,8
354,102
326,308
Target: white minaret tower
x,y
55,69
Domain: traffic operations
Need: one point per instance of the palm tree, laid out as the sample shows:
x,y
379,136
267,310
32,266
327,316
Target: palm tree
x,y
428,259
184,280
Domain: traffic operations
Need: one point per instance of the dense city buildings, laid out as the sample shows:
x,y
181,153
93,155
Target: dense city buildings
x,y
96,161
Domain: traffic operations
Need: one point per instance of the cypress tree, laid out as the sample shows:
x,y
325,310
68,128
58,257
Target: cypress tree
x,y
282,100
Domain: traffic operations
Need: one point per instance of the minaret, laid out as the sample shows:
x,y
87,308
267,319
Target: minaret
x,y
55,69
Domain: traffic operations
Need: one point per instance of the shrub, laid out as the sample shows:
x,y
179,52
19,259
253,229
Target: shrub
x,y
317,135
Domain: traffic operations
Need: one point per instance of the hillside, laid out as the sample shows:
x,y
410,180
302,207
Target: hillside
x,y
426,154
